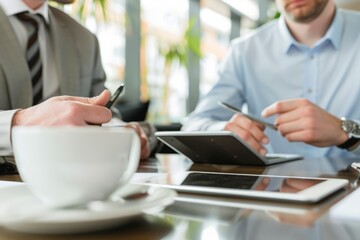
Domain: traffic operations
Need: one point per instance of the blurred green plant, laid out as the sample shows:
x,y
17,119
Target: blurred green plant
x,y
178,52
85,8
276,15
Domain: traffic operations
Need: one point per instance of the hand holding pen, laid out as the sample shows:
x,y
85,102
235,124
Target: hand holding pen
x,y
248,115
111,102
114,97
145,147
249,128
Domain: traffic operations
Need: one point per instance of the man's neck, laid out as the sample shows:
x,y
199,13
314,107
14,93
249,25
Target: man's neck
x,y
309,33
34,4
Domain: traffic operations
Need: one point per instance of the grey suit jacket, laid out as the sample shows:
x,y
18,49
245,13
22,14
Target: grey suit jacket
x,y
77,59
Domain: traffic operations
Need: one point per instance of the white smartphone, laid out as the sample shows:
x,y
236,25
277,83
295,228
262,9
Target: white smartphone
x,y
295,189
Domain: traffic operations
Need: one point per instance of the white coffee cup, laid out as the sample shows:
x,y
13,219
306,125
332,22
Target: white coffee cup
x,y
65,166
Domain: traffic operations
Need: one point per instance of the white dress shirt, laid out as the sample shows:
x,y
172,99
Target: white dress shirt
x,y
11,8
50,79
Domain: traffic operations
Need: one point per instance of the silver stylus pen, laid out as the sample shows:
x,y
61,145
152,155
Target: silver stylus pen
x,y
252,117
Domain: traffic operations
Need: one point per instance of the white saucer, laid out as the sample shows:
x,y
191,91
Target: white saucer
x,y
17,202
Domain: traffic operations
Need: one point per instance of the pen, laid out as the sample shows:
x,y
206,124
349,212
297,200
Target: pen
x,y
253,118
115,96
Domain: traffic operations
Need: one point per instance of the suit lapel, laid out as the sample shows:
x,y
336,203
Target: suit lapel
x,y
66,60
14,66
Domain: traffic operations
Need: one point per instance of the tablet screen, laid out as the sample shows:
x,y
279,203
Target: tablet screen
x,y
285,188
247,182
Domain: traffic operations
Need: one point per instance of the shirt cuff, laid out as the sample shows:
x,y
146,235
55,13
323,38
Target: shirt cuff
x,y
204,125
356,150
5,132
115,122
217,126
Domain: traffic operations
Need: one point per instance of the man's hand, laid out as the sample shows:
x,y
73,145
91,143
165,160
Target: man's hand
x,y
251,132
145,146
299,120
66,110
75,111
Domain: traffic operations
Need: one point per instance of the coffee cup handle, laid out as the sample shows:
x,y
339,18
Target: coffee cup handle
x,y
134,158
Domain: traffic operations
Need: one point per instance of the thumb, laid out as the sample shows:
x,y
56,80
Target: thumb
x,y
268,111
101,99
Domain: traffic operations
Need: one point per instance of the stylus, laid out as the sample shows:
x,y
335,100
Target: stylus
x,y
115,96
255,119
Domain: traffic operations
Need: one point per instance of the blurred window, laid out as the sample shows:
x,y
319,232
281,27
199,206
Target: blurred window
x,y
163,25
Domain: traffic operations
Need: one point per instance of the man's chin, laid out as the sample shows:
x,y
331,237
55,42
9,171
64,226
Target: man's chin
x,y
302,17
64,1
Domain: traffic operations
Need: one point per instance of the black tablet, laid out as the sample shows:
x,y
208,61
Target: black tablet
x,y
220,147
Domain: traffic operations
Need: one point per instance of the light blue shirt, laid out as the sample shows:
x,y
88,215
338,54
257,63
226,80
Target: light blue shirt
x,y
270,65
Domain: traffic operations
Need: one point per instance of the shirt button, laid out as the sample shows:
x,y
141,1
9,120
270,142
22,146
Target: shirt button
x,y
309,90
311,57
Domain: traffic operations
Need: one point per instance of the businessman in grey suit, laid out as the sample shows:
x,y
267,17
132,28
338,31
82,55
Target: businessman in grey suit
x,y
71,66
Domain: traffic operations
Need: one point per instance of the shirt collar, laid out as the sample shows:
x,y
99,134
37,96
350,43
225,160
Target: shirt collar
x,y
16,6
336,28
287,38
333,34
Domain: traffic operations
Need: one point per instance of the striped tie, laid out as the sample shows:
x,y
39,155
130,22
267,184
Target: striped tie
x,y
33,56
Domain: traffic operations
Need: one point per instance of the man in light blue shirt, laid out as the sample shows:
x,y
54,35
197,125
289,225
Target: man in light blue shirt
x,y
302,71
